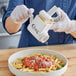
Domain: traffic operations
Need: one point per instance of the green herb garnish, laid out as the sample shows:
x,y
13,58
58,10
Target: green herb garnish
x,y
62,65
57,68
42,54
22,59
36,59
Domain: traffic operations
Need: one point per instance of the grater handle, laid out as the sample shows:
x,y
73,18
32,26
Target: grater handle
x,y
54,10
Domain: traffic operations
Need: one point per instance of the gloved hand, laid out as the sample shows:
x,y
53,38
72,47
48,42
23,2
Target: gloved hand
x,y
63,23
21,14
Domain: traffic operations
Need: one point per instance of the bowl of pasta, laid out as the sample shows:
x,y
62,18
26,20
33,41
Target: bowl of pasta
x,y
37,62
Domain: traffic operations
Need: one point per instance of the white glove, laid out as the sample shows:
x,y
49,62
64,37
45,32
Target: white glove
x,y
21,14
63,24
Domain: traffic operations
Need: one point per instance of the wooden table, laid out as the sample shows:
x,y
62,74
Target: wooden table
x,y
68,50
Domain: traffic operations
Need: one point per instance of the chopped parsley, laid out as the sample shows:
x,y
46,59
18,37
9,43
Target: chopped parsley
x,y
22,59
62,65
57,68
36,59
42,54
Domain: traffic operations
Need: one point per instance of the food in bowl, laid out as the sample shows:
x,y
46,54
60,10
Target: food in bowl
x,y
38,63
29,52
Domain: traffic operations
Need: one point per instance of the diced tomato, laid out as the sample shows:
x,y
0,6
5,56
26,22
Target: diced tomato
x,y
40,56
47,60
36,68
43,66
40,66
37,62
25,58
31,65
44,58
53,63
32,57
27,64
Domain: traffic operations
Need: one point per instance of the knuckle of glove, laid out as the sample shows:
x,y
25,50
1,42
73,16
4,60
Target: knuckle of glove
x,y
19,14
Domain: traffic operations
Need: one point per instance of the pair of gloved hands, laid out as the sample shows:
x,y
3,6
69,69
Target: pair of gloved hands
x,y
21,14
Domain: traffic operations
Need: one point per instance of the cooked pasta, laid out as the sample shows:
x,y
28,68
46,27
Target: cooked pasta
x,y
38,63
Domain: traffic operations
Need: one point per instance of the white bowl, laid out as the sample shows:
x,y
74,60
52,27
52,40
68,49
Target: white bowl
x,y
22,53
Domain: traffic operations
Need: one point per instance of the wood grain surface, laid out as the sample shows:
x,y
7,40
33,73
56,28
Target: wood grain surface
x,y
68,50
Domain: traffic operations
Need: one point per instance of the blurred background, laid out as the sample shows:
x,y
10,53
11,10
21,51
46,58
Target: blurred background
x,y
7,41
